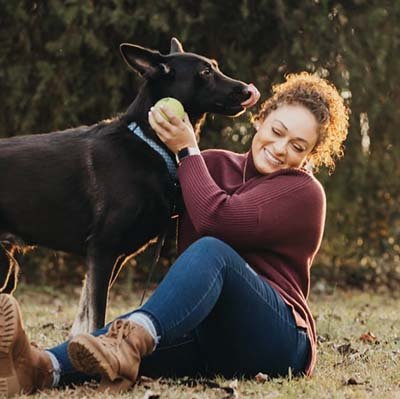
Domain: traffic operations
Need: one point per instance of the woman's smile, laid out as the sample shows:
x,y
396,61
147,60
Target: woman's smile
x,y
272,159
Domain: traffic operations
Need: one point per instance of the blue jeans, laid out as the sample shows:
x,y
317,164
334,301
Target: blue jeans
x,y
215,316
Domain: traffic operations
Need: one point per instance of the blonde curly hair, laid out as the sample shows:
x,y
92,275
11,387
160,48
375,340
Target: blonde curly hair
x,y
325,103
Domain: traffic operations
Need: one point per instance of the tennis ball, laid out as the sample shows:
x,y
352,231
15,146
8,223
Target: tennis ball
x,y
173,105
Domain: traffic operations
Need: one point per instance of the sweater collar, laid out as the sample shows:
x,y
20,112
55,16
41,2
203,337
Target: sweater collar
x,y
251,170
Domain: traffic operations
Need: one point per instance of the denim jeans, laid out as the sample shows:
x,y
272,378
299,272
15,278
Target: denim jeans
x,y
215,316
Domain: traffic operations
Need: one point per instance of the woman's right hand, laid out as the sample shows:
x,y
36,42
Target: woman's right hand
x,y
173,132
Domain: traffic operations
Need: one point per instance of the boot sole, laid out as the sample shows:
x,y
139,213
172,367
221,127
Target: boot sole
x,y
86,358
9,318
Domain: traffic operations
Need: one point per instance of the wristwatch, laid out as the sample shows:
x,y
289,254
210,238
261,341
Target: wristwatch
x,y
186,152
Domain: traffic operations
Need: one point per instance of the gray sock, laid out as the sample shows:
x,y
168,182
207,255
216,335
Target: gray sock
x,y
56,369
145,321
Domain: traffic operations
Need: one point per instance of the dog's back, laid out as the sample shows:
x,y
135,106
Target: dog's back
x,y
40,188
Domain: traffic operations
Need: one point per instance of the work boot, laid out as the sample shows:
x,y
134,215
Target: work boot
x,y
115,356
24,368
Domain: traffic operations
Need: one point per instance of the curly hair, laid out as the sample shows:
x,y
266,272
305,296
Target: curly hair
x,y
325,103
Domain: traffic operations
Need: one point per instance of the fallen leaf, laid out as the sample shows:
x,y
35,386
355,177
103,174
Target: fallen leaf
x,y
48,325
345,349
368,338
353,381
322,338
230,390
261,377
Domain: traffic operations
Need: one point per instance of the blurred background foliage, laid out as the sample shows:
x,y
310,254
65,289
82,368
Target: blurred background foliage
x,y
60,67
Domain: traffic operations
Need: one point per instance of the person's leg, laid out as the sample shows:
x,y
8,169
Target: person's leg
x,y
241,323
251,330
178,305
191,289
182,357
65,373
175,287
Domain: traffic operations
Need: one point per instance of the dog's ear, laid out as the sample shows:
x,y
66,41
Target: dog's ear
x,y
142,60
176,46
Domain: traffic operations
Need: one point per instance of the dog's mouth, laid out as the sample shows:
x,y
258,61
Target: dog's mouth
x,y
240,99
229,109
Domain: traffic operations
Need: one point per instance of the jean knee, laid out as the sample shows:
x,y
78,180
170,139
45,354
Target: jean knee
x,y
213,251
211,245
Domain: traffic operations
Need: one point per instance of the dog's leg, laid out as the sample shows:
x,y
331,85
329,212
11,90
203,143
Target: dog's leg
x,y
93,301
80,324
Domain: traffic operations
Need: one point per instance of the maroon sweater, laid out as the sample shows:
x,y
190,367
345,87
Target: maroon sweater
x,y
275,222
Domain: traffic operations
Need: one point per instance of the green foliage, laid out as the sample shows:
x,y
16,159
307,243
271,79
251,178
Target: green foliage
x,y
60,67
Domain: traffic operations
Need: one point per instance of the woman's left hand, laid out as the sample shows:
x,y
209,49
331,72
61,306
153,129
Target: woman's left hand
x,y
174,133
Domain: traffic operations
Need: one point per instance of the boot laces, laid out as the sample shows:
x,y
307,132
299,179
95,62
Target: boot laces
x,y
119,330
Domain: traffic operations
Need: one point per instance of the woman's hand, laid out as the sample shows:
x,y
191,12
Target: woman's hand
x,y
174,133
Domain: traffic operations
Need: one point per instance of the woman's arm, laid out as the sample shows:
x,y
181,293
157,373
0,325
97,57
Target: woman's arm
x,y
272,211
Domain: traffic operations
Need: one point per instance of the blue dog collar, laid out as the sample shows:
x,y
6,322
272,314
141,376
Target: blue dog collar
x,y
170,162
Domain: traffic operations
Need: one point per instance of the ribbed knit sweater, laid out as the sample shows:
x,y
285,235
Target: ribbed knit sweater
x,y
275,221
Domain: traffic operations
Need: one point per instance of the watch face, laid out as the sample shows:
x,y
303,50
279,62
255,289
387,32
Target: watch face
x,y
184,152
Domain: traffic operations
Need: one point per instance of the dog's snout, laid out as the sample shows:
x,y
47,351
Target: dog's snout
x,y
241,93
245,90
241,89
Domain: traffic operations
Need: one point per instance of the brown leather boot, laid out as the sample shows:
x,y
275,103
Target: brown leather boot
x,y
115,356
24,368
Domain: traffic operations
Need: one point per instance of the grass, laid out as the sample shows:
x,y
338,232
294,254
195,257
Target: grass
x,y
358,354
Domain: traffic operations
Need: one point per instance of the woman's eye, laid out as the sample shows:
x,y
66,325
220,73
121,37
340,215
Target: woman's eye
x,y
298,148
276,132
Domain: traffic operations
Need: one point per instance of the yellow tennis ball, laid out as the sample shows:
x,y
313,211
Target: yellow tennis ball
x,y
173,105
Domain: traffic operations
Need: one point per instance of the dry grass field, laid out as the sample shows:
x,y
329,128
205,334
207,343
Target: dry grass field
x,y
358,354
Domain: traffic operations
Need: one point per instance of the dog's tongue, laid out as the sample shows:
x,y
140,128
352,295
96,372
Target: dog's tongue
x,y
254,96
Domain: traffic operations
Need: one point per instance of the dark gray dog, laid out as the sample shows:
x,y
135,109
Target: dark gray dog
x,y
104,191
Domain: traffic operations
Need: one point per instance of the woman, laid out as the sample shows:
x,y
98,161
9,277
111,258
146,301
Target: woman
x,y
235,301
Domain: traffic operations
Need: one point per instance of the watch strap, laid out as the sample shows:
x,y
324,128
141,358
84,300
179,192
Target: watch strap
x,y
186,152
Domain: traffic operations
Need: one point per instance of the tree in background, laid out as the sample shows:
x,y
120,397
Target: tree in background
x,y
60,67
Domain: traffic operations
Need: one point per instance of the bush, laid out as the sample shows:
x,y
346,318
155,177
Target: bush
x,y
61,68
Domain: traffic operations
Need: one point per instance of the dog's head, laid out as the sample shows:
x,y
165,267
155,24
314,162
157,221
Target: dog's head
x,y
194,80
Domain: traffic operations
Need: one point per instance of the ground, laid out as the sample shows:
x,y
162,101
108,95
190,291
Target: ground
x,y
358,352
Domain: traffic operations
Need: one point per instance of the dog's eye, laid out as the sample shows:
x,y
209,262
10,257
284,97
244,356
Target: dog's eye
x,y
206,71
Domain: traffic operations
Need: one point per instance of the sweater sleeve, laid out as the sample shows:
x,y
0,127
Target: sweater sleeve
x,y
260,216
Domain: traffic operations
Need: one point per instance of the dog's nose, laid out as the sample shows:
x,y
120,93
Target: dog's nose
x,y
246,92
242,90
240,93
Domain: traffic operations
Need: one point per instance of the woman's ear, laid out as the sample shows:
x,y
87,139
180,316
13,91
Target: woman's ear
x,y
256,123
308,164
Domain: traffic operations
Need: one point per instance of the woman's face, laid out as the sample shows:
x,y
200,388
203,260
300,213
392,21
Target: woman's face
x,y
285,139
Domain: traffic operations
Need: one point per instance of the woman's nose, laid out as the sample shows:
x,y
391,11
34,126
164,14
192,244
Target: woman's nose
x,y
280,147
